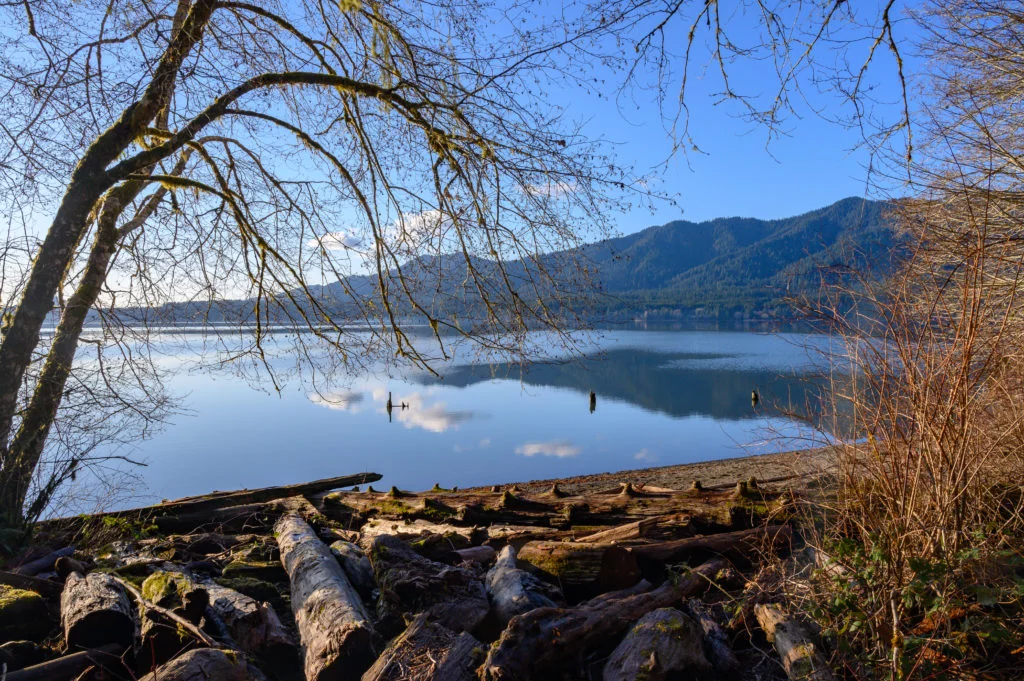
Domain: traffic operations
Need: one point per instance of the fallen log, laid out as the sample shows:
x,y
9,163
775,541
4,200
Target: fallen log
x,y
334,629
95,611
242,518
582,569
162,638
203,663
410,584
43,587
638,529
801,657
252,625
477,554
44,564
540,641
427,651
716,643
739,545
663,642
356,565
513,591
71,666
198,633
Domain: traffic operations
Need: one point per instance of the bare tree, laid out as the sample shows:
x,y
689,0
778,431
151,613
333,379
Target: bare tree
x,y
332,162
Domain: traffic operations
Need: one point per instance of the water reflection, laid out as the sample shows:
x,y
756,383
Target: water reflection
x,y
678,384
561,449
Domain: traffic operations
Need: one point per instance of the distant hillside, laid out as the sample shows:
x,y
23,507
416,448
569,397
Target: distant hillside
x,y
720,268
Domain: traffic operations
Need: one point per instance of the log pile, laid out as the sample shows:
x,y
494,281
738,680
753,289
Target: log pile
x,y
300,582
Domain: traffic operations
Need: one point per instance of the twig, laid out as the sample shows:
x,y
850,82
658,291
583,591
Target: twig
x,y
174,617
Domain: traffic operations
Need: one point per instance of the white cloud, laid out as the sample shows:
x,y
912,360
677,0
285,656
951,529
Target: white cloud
x,y
644,455
341,400
418,413
557,448
337,241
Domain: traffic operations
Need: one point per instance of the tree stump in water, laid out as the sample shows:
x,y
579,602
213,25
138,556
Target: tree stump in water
x,y
94,611
335,630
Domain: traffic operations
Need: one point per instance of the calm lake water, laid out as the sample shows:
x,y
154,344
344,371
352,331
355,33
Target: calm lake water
x,y
663,397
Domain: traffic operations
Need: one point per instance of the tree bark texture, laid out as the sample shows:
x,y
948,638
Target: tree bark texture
x,y
663,642
514,591
94,611
427,651
801,657
582,570
203,664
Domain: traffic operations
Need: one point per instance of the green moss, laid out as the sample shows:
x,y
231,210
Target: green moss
x,y
268,570
166,588
252,587
23,614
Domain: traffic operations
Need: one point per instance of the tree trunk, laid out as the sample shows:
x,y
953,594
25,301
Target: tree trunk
x,y
582,570
536,644
334,628
201,664
740,545
70,666
663,642
95,611
356,565
513,591
801,657
410,584
716,643
427,651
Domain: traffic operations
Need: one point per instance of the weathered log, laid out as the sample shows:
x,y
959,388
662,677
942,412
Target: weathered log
x,y
801,657
201,664
162,638
716,643
356,565
253,626
477,554
245,517
742,545
427,651
410,584
70,666
540,641
460,537
198,633
95,611
658,527
65,565
664,641
334,629
513,591
582,569
44,564
43,587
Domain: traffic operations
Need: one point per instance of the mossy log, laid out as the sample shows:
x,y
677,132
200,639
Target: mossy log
x,y
94,611
334,628
665,641
534,645
23,614
428,651
514,591
44,587
741,545
410,584
356,565
582,570
662,527
71,666
162,638
801,657
202,664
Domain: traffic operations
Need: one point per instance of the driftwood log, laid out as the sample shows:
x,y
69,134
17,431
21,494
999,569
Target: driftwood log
x,y
44,564
716,643
43,587
253,626
477,554
514,591
356,565
410,584
71,666
801,657
162,638
741,545
95,611
428,651
640,529
202,664
582,569
540,641
663,642
334,628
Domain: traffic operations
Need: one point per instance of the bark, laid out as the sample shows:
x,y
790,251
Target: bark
x,y
44,564
742,545
162,638
43,587
716,643
334,628
582,570
639,529
801,657
427,651
254,626
513,591
70,666
665,641
95,611
202,665
477,554
534,645
410,584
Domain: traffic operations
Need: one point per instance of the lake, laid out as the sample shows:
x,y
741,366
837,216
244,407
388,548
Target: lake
x,y
662,397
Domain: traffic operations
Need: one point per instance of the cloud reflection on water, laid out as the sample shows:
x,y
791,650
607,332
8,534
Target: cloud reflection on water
x,y
561,449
